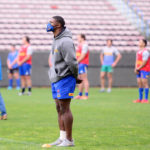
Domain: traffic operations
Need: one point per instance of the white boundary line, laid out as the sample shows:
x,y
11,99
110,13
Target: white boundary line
x,y
18,142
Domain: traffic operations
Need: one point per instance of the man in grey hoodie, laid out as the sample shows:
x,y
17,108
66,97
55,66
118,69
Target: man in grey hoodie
x,y
63,76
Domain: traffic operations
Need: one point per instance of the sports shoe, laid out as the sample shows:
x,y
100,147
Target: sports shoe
x,y
29,93
145,101
20,93
84,97
137,101
66,143
57,142
9,88
4,117
77,97
102,90
108,90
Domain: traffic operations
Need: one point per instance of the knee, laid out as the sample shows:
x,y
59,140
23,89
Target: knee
x,y
140,85
86,83
63,110
102,76
145,85
58,108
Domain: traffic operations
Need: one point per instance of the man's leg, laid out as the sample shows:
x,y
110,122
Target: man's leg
x,y
23,84
109,75
65,121
80,87
146,89
140,86
85,85
10,77
62,136
2,109
16,75
66,117
60,121
29,83
102,79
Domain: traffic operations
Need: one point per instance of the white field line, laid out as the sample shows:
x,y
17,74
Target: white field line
x,y
19,142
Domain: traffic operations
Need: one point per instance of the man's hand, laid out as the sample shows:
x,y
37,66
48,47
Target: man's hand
x,y
19,63
78,80
9,67
136,71
114,64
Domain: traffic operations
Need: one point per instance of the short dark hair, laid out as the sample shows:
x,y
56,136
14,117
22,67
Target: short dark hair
x,y
110,40
27,39
83,36
145,42
60,20
13,45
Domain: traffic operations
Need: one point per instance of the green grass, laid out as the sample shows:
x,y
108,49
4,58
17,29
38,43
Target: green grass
x,y
104,122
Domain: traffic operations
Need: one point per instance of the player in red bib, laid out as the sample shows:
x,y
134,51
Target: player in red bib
x,y
25,62
82,55
142,70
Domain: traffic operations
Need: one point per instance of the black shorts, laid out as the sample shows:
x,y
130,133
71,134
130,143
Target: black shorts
x,y
12,71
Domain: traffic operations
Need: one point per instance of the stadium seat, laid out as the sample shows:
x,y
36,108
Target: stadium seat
x,y
99,20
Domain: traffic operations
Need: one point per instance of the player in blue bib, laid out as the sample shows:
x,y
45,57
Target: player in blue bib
x,y
13,68
2,105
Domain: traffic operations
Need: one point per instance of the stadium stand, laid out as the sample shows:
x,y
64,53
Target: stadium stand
x,y
98,19
142,7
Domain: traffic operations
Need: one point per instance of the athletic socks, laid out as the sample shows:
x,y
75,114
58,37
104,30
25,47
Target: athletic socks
x,y
62,135
146,93
10,82
29,89
86,94
23,90
80,93
140,93
18,82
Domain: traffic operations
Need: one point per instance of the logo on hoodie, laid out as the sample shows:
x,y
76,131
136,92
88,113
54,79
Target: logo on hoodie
x,y
56,50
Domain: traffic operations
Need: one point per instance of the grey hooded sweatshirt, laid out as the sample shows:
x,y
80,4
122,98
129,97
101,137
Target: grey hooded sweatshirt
x,y
63,57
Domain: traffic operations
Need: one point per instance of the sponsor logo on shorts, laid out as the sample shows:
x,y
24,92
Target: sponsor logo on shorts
x,y
71,94
58,95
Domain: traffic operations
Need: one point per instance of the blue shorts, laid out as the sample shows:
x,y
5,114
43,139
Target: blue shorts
x,y
82,68
143,74
64,88
25,69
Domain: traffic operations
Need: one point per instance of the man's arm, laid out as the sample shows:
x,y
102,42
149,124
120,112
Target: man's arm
x,y
101,58
117,60
14,62
24,60
142,65
68,53
49,60
8,64
135,71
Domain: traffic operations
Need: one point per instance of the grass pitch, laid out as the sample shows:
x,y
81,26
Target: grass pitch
x,y
104,122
